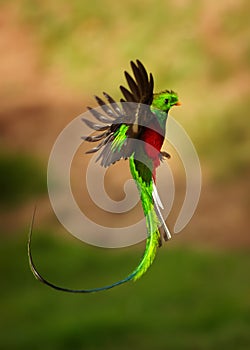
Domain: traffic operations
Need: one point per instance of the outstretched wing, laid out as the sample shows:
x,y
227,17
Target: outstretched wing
x,y
122,123
141,87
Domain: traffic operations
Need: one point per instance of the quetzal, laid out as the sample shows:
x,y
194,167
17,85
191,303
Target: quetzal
x,y
133,129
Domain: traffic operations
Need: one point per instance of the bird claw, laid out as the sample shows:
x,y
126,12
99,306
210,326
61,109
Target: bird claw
x,y
164,154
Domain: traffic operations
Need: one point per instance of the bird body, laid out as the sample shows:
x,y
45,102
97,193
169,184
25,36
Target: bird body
x,y
146,123
134,129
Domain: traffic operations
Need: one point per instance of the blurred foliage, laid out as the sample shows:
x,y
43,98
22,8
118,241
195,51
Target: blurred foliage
x,y
200,49
224,141
82,36
86,39
21,177
188,300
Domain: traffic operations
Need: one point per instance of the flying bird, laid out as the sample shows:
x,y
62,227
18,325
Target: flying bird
x,y
132,129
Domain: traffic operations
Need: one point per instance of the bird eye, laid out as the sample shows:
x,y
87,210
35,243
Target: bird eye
x,y
166,101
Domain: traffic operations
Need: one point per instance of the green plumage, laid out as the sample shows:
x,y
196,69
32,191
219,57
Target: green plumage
x,y
120,138
145,188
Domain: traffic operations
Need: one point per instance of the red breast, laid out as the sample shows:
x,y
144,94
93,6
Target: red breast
x,y
153,143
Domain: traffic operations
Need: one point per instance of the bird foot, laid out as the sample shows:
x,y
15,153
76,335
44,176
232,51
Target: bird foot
x,y
164,154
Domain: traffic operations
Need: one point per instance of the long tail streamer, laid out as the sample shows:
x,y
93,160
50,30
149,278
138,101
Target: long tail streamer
x,y
147,259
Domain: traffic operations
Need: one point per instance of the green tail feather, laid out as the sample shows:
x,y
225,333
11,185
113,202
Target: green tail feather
x,y
143,178
151,248
146,189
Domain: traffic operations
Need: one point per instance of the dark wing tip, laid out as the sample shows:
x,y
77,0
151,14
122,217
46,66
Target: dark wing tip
x,y
141,86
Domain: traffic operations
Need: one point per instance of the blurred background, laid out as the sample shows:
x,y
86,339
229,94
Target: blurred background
x,y
54,57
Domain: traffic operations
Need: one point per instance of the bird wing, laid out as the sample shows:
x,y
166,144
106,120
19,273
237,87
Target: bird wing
x,y
114,143
141,86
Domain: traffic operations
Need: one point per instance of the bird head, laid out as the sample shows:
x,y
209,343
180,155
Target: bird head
x,y
165,100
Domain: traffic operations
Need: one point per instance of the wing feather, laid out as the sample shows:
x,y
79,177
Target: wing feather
x,y
114,115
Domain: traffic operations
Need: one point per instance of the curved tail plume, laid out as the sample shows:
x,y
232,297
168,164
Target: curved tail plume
x,y
132,129
143,265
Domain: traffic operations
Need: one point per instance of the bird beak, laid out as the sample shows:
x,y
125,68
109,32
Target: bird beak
x,y
177,103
